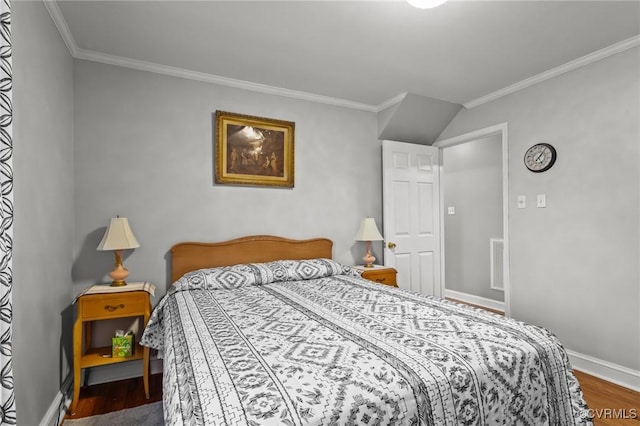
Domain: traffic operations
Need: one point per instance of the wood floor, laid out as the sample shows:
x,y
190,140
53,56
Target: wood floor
x,y
118,395
610,404
605,399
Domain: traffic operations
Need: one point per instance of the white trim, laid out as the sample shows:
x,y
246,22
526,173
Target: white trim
x,y
61,24
443,269
501,129
605,370
222,81
60,404
476,134
76,52
474,300
391,101
554,72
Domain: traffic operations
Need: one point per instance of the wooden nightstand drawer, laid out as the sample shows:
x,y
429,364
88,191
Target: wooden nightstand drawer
x,y
379,274
100,306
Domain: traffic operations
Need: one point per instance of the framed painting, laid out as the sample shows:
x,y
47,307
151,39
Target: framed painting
x,y
253,150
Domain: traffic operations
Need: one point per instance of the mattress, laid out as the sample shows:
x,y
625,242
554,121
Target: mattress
x,y
312,343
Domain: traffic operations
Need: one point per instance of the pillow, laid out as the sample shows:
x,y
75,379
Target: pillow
x,y
236,276
226,277
312,268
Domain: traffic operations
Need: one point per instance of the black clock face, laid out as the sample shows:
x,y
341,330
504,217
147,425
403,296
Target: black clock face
x,y
540,157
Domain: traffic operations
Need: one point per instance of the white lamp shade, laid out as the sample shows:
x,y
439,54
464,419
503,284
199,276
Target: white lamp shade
x,y
118,236
426,4
368,231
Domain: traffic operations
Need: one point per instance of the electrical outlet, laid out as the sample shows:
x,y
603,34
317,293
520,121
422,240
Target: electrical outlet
x,y
522,201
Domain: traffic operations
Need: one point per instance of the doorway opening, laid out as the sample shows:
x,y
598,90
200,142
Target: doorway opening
x,y
475,226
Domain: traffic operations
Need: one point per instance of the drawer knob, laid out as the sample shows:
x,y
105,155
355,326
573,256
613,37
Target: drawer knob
x,y
380,280
112,308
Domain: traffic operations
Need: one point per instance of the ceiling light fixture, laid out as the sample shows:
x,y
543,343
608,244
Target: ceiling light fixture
x,y
426,4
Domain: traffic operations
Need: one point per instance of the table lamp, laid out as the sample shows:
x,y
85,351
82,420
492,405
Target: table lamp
x,y
118,237
368,232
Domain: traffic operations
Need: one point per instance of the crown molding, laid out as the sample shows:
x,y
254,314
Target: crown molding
x,y
61,24
223,81
391,101
76,52
554,72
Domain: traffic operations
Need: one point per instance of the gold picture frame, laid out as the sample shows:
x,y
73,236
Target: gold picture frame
x,y
253,150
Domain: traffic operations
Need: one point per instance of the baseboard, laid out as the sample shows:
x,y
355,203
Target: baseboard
x,y
60,404
475,300
605,370
62,401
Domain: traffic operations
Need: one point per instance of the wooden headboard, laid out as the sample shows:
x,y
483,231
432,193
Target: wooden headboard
x,y
190,256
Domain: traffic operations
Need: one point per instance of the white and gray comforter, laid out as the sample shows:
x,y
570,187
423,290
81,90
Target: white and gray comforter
x,y
312,343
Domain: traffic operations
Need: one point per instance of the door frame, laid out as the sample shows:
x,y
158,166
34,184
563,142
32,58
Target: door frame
x,y
501,129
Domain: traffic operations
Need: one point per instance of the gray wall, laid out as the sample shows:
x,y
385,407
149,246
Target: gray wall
x,y
43,233
574,265
472,184
144,150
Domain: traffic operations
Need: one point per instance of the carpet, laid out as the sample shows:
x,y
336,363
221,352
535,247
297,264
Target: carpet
x,y
144,415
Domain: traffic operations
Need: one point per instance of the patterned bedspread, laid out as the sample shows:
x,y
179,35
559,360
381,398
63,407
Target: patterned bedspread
x,y
312,343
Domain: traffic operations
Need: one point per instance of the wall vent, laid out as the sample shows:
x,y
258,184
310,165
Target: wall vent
x,y
496,251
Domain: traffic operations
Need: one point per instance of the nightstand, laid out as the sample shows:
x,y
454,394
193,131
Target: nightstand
x,y
118,302
379,274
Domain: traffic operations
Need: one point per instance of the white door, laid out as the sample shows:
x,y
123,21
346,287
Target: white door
x,y
411,209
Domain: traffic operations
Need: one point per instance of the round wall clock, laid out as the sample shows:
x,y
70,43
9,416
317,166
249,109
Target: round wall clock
x,y
540,157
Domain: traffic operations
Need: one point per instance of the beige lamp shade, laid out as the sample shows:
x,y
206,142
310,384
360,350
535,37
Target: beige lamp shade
x,y
368,231
118,236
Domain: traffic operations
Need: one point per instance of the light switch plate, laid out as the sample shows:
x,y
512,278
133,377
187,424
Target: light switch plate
x,y
541,201
451,210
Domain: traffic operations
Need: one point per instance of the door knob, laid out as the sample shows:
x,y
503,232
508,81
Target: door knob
x,y
391,245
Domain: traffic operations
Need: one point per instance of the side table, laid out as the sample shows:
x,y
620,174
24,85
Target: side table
x,y
104,306
378,273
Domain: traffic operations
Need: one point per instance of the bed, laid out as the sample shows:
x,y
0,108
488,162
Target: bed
x,y
270,331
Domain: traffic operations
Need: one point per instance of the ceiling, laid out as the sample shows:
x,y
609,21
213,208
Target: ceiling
x,y
365,53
